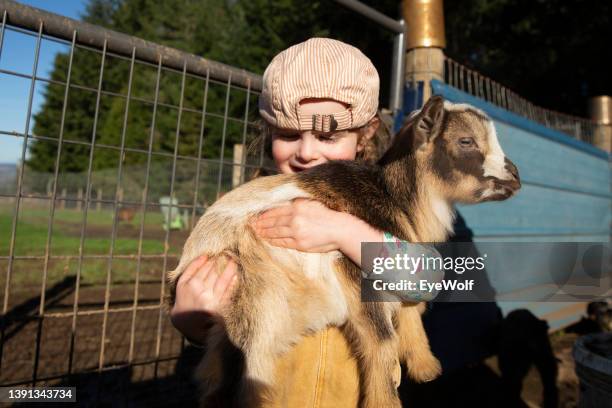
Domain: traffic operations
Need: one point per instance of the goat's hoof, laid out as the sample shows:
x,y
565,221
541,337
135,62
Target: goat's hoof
x,y
423,369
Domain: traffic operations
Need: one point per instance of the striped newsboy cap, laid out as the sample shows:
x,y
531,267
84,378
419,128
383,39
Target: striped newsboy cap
x,y
319,68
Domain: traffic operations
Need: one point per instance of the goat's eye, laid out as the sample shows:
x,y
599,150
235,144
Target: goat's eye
x,y
466,142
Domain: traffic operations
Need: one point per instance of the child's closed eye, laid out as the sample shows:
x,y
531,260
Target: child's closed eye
x,y
329,137
326,138
288,137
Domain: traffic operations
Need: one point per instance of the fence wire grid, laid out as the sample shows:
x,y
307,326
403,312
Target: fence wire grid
x,y
86,254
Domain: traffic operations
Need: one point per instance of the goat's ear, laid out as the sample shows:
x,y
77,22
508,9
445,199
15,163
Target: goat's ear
x,y
429,121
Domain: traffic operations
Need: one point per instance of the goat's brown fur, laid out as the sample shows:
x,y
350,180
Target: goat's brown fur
x,y
284,294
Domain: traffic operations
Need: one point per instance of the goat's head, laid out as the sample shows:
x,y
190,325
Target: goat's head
x,y
456,148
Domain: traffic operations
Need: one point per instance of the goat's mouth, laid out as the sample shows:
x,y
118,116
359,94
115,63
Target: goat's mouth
x,y
500,190
499,195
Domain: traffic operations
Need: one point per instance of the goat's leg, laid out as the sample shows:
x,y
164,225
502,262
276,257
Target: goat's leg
x,y
230,377
238,367
224,377
372,334
413,344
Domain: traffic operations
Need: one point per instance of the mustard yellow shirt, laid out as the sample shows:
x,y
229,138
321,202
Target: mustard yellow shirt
x,y
319,372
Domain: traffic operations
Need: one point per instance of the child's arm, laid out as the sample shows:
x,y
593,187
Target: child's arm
x,y
200,295
309,226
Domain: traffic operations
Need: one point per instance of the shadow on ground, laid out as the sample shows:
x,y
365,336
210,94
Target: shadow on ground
x,y
121,387
521,372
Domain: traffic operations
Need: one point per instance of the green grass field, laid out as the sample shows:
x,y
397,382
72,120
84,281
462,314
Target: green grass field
x,y
31,240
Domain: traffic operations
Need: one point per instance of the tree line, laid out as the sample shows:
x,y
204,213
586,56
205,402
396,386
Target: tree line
x,y
521,43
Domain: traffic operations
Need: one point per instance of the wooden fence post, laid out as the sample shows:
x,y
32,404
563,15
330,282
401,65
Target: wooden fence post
x,y
238,163
98,200
63,198
79,198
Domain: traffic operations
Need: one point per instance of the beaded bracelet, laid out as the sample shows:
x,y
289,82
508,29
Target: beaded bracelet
x,y
392,245
388,237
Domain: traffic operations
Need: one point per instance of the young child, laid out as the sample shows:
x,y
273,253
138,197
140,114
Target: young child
x,y
319,103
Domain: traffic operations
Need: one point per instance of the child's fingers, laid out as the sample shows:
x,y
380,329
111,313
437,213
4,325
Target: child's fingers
x,y
225,279
283,242
269,222
277,232
230,289
207,275
286,209
192,268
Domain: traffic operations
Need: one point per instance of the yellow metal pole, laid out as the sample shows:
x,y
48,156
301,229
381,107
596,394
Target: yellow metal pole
x,y
425,41
600,110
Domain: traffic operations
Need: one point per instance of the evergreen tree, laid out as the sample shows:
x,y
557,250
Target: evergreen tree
x,y
547,51
80,104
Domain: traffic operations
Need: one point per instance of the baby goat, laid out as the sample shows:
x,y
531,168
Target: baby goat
x,y
446,153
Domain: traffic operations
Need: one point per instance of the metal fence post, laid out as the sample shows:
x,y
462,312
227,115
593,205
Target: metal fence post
x,y
600,110
397,71
425,40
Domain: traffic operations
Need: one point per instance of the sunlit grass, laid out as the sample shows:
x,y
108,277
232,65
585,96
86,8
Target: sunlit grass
x,y
32,234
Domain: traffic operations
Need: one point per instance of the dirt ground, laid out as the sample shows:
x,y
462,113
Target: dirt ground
x,y
156,376
161,369
481,384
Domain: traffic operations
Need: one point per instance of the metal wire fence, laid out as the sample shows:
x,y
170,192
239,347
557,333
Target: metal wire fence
x,y
474,83
85,254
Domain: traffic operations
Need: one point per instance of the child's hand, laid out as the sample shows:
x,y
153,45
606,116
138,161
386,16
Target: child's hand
x,y
305,225
200,296
309,226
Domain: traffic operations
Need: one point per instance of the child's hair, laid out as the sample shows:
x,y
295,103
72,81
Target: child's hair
x,y
372,151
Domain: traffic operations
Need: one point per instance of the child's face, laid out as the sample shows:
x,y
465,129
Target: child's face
x,y
295,150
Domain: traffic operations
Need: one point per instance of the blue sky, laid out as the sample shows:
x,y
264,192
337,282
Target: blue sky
x,y
17,55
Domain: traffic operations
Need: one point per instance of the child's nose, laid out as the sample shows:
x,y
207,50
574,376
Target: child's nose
x,y
307,150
